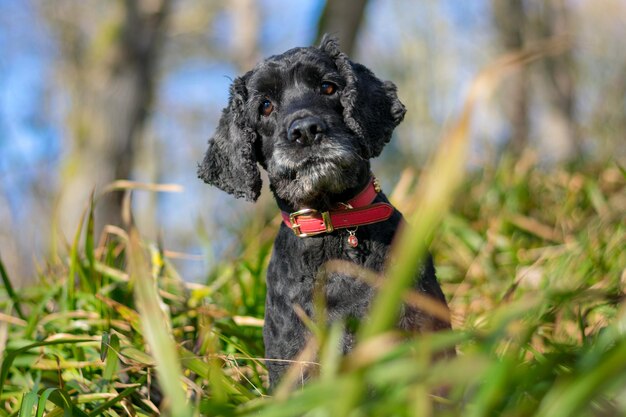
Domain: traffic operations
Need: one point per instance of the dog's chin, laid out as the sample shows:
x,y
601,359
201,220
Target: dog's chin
x,y
315,181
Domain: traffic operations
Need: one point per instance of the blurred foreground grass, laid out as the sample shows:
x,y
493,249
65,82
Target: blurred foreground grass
x,y
532,262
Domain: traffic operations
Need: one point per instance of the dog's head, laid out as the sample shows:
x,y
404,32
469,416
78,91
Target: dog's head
x,y
311,117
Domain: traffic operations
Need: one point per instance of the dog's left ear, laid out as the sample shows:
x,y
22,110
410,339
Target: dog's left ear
x,y
230,162
372,109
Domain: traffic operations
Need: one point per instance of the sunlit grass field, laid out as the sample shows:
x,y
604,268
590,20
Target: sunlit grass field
x,y
532,262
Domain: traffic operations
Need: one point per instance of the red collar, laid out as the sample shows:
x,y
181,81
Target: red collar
x,y
358,211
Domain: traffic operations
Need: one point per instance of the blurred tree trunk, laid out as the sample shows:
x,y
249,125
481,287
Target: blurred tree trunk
x,y
510,22
608,117
554,19
342,19
246,30
109,52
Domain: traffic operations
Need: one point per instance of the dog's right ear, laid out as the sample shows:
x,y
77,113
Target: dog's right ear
x,y
371,107
230,162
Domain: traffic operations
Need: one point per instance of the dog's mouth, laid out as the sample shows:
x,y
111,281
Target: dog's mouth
x,y
305,165
319,162
305,178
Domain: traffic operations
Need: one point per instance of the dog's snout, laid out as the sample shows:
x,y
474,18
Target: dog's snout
x,y
306,130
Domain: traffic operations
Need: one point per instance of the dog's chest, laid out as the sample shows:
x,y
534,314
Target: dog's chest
x,y
299,267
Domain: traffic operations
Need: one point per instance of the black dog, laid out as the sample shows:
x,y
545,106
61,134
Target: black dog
x,y
313,119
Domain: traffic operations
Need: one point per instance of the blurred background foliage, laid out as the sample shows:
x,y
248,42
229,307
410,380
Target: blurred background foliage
x,y
530,255
93,91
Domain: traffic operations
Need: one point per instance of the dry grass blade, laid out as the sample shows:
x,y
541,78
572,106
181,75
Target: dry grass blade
x,y
371,350
145,186
248,321
157,335
400,195
537,228
413,298
295,374
12,320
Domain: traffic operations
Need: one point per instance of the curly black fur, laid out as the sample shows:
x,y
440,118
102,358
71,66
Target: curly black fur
x,y
315,145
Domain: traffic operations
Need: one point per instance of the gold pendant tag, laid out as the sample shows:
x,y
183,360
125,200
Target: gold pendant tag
x,y
352,239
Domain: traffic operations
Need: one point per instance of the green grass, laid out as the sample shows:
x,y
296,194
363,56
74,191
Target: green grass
x,y
532,262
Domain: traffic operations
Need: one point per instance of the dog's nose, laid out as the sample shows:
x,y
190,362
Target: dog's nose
x,y
306,130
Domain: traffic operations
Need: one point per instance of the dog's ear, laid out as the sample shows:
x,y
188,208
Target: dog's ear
x,y
230,162
371,107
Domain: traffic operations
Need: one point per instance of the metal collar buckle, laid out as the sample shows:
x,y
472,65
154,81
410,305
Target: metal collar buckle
x,y
296,227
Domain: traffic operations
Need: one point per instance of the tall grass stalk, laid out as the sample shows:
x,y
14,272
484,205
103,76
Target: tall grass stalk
x,y
157,328
436,189
10,291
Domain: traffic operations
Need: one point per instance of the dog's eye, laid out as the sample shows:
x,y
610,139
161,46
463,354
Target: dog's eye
x,y
327,88
266,108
